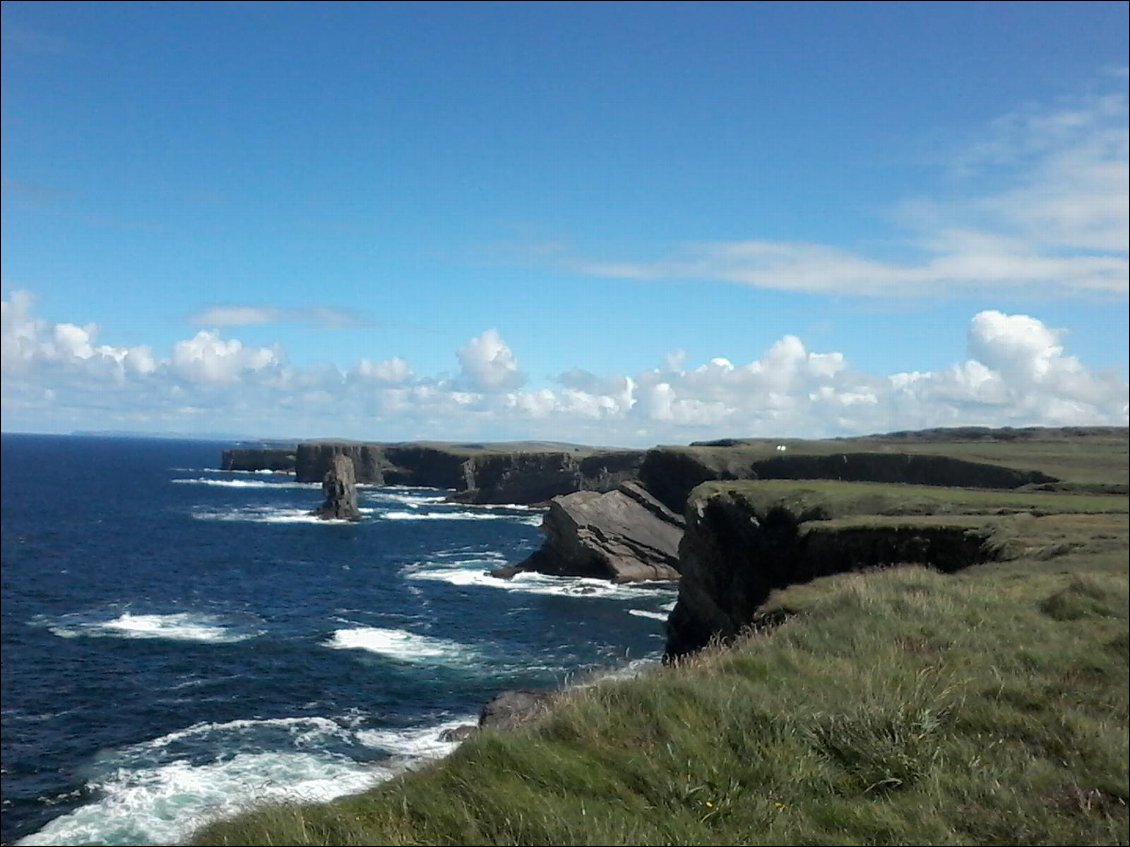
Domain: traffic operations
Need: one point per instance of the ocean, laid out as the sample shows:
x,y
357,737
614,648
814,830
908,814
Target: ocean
x,y
180,642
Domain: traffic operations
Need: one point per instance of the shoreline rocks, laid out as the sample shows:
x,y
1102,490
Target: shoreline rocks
x,y
623,535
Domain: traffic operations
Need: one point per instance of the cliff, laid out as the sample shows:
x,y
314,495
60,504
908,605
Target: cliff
x,y
258,459
483,474
536,477
670,473
745,539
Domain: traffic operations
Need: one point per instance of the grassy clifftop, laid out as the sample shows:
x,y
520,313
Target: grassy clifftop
x,y
902,706
888,706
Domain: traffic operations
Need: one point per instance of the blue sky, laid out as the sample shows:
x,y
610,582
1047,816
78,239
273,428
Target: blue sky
x,y
621,223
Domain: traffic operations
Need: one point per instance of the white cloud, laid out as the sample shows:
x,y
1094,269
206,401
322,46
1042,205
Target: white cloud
x,y
229,316
488,364
28,342
1045,211
395,370
207,358
1016,345
1017,372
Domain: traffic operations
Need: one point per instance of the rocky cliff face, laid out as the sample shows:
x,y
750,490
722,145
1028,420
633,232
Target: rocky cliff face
x,y
476,473
624,535
312,460
737,548
257,459
537,477
340,489
671,472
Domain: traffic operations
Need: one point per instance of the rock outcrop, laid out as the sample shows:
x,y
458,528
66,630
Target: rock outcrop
x,y
743,541
624,535
339,485
513,708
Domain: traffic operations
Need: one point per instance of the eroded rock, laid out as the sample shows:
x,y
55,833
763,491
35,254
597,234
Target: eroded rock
x,y
340,489
624,535
513,708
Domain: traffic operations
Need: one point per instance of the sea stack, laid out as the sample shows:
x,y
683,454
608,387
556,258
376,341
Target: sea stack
x,y
339,485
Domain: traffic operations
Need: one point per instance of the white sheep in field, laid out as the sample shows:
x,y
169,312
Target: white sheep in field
x,y
781,448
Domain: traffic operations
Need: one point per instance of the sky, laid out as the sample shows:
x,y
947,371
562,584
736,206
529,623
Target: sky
x,y
621,224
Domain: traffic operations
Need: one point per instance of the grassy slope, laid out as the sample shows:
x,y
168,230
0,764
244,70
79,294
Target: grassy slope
x,y
893,707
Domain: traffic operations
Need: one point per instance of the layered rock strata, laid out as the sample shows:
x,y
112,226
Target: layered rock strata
x,y
476,473
623,535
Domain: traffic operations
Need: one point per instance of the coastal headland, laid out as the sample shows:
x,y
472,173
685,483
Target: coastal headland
x,y
916,637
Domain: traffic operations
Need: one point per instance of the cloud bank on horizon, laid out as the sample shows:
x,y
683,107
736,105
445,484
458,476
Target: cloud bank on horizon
x,y
999,259
1017,373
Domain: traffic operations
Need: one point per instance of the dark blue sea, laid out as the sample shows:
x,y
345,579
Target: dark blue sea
x,y
179,641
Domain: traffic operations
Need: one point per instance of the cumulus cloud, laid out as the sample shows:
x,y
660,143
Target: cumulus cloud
x,y
1045,211
488,364
27,342
1017,371
207,358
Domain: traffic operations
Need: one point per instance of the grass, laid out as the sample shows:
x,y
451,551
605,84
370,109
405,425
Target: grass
x,y
893,707
834,498
1098,457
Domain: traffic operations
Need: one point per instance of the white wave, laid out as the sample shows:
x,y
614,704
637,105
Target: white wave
x,y
181,626
266,514
165,804
263,471
531,520
517,507
413,500
529,582
415,742
644,613
246,483
400,644
466,557
301,732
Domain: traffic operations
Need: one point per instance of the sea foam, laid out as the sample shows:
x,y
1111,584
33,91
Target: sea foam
x,y
464,574
261,484
400,644
166,803
160,791
462,515
180,626
268,514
